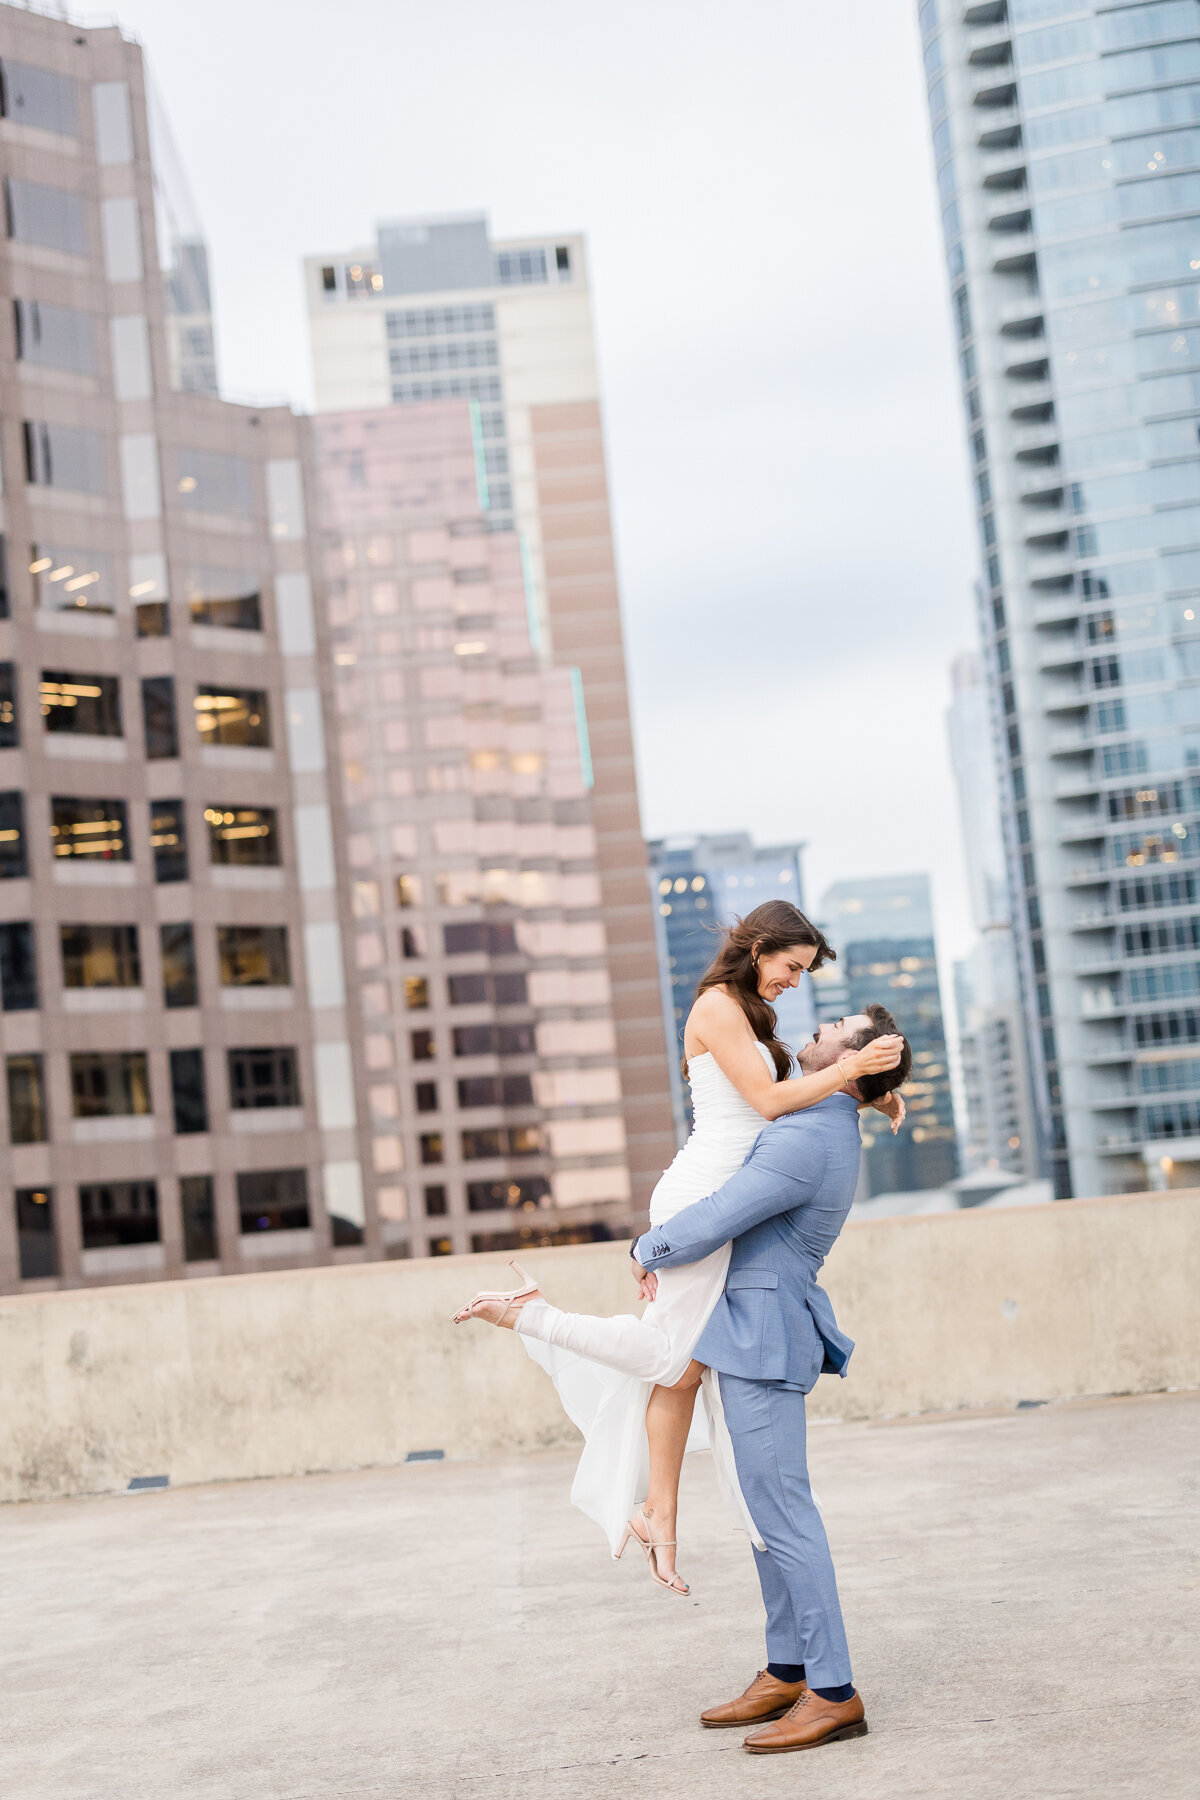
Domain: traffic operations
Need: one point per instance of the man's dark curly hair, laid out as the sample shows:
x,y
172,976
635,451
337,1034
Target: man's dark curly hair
x,y
873,1087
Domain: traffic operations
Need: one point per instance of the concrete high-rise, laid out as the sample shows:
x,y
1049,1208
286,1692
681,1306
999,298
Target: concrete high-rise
x,y
882,930
1067,140
179,1092
701,884
435,310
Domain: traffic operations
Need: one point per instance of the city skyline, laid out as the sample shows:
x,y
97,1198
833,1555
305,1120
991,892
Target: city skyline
x,y
848,619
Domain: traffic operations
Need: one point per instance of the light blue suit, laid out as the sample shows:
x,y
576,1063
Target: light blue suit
x,y
770,1336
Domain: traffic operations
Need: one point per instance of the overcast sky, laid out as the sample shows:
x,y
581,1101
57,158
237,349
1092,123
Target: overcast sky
x,y
784,431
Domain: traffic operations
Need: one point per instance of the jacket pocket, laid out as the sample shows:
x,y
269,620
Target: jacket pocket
x,y
751,1278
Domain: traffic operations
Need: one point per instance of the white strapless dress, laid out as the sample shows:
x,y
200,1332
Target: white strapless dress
x,y
605,1369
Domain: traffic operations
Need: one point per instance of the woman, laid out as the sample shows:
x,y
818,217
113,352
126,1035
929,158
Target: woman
x,y
630,1384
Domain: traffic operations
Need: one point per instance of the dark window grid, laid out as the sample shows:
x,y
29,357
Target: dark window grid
x,y
436,1202
91,828
494,1040
10,733
501,1140
234,716
198,1211
37,1240
84,705
228,598
525,1195
110,1084
168,840
177,948
159,718
118,1212
273,1200
496,939
28,1115
254,956
100,956
18,967
426,1095
243,835
495,1090
14,862
189,1092
268,1076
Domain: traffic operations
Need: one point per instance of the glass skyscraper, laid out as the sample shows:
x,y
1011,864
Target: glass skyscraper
x,y
1067,141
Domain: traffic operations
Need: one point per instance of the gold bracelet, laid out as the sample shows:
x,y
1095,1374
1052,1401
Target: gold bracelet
x,y
845,1078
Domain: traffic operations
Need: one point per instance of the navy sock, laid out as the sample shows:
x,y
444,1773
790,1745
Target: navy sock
x,y
837,1694
790,1672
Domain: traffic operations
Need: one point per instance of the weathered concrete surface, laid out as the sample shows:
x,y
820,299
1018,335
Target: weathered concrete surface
x,y
352,1367
1021,1596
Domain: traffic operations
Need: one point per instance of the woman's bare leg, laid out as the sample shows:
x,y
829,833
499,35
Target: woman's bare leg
x,y
668,1421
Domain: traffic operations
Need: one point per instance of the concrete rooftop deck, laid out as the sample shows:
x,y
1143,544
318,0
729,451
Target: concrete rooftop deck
x,y
1021,1594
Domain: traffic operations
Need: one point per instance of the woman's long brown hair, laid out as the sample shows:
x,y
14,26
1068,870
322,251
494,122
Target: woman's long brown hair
x,y
775,925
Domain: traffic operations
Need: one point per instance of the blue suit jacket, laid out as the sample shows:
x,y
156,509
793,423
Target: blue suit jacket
x,y
783,1209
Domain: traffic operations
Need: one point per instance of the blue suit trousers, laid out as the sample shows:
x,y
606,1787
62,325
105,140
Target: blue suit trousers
x,y
804,1619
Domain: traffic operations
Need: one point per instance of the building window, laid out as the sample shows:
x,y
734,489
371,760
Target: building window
x,y
10,735
228,598
33,96
426,1096
168,840
494,1040
55,337
100,956
408,890
422,1046
273,1200
329,280
61,456
495,939
235,716
189,1097
416,992
71,580
433,1149
521,1140
495,1090
410,942
436,1205
492,1196
243,835
177,945
118,1212
51,216
441,1246
95,828
517,268
254,955
18,967
268,1076
210,481
199,1218
88,705
509,989
13,862
4,596
479,1145
28,1121
158,717
37,1246
152,619
109,1084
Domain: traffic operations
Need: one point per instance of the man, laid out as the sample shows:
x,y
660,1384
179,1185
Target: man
x,y
770,1336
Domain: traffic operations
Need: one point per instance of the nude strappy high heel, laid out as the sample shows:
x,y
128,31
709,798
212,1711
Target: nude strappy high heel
x,y
650,1546
510,1298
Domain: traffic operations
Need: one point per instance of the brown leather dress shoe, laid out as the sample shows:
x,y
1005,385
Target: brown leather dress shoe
x,y
810,1722
765,1698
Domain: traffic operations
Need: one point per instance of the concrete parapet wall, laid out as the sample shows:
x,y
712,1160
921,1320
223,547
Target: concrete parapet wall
x,y
341,1368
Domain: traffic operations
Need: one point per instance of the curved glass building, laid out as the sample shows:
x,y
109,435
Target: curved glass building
x,y
1067,141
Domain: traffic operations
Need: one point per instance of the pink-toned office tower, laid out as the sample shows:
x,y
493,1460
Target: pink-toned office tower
x,y
484,963
435,311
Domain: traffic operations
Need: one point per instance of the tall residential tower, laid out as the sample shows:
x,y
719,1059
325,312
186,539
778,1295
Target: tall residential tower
x,y
1067,139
